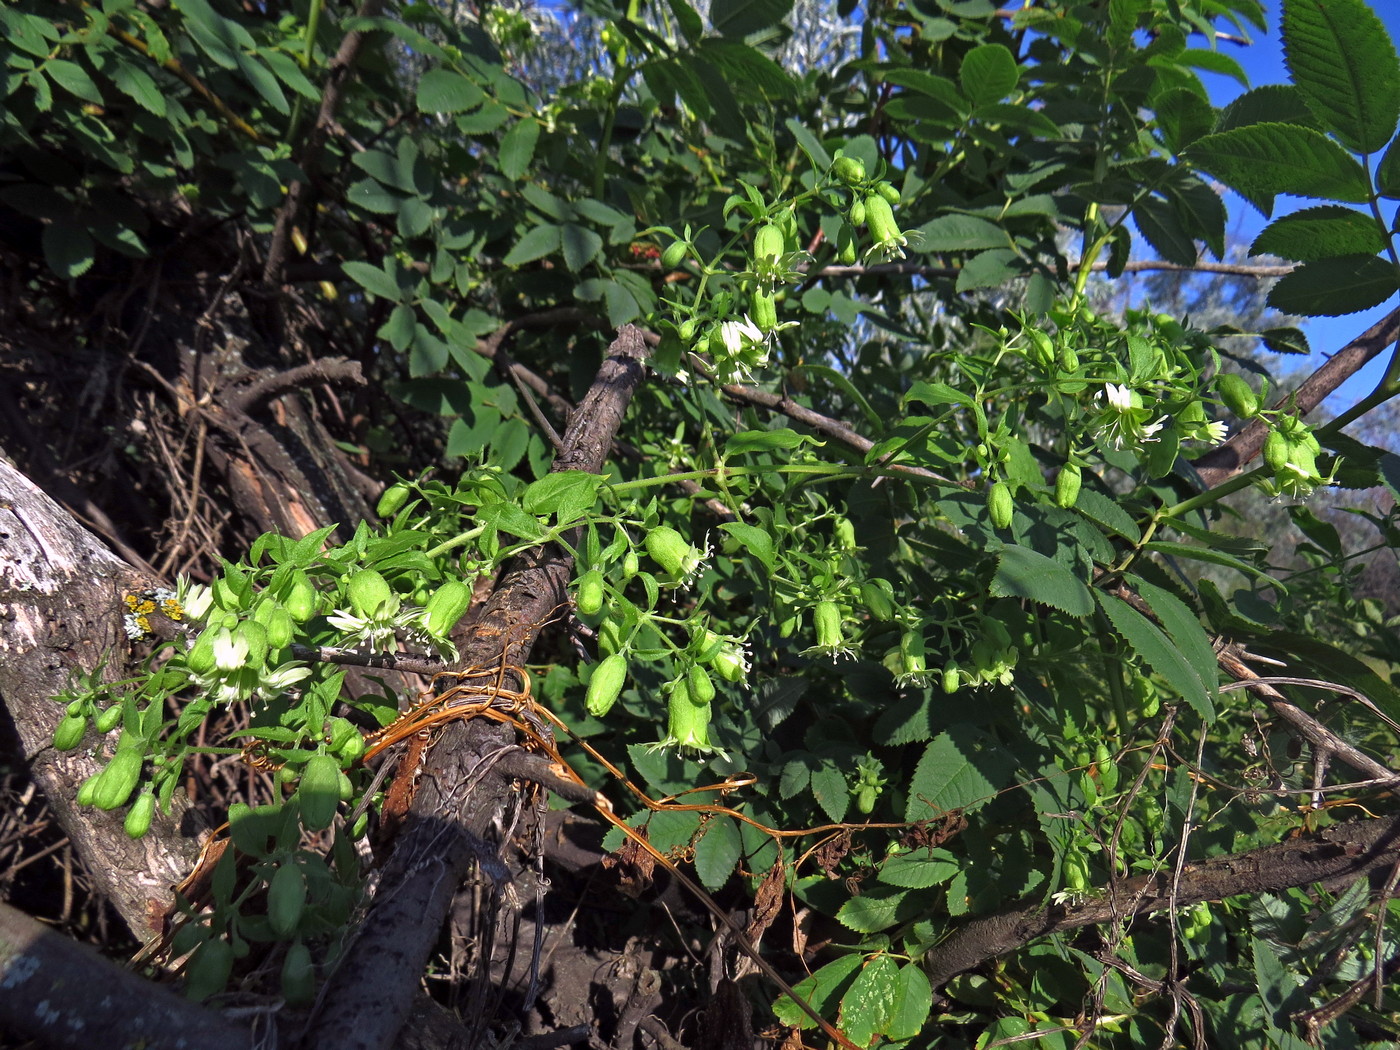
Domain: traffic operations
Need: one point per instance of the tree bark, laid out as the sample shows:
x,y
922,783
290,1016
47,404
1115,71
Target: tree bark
x,y
61,615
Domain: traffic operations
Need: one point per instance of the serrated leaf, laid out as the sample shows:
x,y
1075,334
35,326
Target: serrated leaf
x,y
518,148
1264,160
959,233
958,770
1280,103
1320,233
372,279
74,79
1183,117
318,792
1158,222
1101,510
1214,62
536,244
920,869
1341,58
831,791
134,82
1185,630
443,91
1286,340
68,248
1147,640
913,999
988,73
739,18
581,245
866,1007
717,852
880,908
988,269
818,990
1332,287
1024,573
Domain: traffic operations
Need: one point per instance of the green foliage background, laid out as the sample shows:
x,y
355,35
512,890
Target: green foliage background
x,y
892,608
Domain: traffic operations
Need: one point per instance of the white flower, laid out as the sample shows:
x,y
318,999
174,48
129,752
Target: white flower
x,y
379,629
1123,421
230,650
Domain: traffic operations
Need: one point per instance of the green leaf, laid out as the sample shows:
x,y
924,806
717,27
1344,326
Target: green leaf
x,y
913,999
373,280
753,540
536,244
867,1006
68,248
134,82
718,852
74,79
1286,340
1215,62
1332,287
1184,628
400,326
750,67
818,991
831,791
1320,233
581,245
1341,58
1147,640
1263,160
1388,173
739,18
567,494
958,770
880,908
1279,103
958,233
318,792
510,519
1024,573
518,148
443,91
988,73
369,195
1183,117
815,151
764,441
1108,513
988,269
919,869
1158,222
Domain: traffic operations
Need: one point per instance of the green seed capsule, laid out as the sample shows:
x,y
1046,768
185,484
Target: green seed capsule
x,y
1068,484
116,783
1238,395
827,619
138,818
847,251
764,310
850,170
669,549
674,255
605,686
1276,449
878,596
286,899
395,496
856,214
887,192
108,719
1000,505
301,598
702,689
589,601
448,604
368,591
769,243
69,733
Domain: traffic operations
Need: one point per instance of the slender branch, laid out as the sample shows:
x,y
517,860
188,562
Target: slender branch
x,y
1221,464
336,371
309,156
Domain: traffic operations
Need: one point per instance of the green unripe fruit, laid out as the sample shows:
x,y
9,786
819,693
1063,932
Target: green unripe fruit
x,y
69,732
286,898
674,255
298,976
87,791
702,689
887,192
200,658
688,724
589,601
850,170
138,818
669,549
208,970
856,214
1076,871
827,619
1108,769
1000,505
729,664
878,596
879,217
1069,359
394,497
448,604
606,685
254,635
769,243
368,592
1068,484
686,331
1276,449
301,598
764,311
631,565
847,250
116,783
951,678
1238,395
866,795
108,719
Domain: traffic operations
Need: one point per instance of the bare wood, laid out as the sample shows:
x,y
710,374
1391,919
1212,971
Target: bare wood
x,y
63,994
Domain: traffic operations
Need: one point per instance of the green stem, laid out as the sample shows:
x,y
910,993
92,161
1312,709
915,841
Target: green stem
x,y
600,164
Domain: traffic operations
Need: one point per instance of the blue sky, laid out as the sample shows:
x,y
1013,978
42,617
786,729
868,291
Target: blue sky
x,y
1263,61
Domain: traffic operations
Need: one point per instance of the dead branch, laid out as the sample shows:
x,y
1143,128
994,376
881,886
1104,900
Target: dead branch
x,y
336,371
